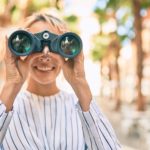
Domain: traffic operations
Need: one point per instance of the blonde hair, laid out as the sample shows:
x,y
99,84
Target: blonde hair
x,y
52,21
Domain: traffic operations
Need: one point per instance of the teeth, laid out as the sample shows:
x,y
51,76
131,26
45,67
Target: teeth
x,y
45,68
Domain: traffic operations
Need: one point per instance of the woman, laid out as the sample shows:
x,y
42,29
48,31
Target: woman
x,y
43,117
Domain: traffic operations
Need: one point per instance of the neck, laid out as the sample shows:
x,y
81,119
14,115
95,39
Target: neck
x,y
42,89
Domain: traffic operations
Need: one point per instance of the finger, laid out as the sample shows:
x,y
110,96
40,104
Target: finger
x,y
11,30
23,57
8,54
19,64
69,62
79,57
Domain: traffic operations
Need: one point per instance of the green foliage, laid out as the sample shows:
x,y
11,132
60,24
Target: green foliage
x,y
72,22
15,14
101,15
71,18
145,4
116,4
100,47
121,11
37,5
5,1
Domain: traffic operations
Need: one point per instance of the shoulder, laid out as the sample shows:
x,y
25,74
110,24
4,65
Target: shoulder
x,y
24,97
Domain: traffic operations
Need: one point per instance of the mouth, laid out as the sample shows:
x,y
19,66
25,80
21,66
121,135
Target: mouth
x,y
44,68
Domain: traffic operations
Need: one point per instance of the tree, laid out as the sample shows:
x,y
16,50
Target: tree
x,y
133,10
106,50
14,10
138,41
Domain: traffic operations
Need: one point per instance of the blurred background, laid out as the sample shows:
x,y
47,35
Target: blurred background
x,y
116,45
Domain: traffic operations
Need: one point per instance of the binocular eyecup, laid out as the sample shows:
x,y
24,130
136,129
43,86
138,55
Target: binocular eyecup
x,y
23,43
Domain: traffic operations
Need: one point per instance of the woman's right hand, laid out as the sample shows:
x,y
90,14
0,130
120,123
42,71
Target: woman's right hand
x,y
16,69
16,72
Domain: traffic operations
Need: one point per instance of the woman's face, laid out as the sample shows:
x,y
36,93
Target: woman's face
x,y
44,67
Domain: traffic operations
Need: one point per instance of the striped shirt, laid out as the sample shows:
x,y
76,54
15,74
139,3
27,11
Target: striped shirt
x,y
54,123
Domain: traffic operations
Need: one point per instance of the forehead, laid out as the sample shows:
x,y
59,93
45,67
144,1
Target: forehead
x,y
40,26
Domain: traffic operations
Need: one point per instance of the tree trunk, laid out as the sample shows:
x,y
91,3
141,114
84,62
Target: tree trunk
x,y
117,90
138,43
114,75
24,8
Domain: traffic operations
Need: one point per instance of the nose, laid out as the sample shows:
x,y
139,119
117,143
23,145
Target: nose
x,y
45,50
45,57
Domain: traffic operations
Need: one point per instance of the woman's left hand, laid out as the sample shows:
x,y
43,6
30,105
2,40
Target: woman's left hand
x,y
73,69
74,73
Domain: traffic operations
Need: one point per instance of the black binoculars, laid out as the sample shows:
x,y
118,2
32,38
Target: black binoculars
x,y
22,43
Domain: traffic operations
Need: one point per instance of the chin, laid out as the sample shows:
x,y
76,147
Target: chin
x,y
45,82
43,77
34,80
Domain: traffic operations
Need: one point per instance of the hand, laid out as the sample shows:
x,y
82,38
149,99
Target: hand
x,y
73,69
74,73
16,69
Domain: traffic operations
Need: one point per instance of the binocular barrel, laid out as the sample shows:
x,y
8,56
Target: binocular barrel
x,y
22,43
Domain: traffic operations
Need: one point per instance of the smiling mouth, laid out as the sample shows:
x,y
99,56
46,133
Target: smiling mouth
x,y
44,68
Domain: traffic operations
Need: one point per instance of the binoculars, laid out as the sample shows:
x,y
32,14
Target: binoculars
x,y
23,43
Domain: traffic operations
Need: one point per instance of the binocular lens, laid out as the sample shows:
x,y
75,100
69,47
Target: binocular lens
x,y
21,44
70,45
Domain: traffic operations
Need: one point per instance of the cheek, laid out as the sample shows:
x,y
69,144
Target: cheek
x,y
58,58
